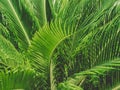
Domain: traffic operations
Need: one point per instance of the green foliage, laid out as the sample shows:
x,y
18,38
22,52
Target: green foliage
x,y
9,56
17,79
59,44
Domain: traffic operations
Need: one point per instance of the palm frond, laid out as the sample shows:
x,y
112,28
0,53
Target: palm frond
x,y
39,7
51,35
16,12
58,7
44,44
28,11
99,39
9,56
75,47
90,39
79,78
17,79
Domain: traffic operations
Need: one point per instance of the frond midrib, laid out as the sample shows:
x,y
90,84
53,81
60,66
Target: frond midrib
x,y
20,23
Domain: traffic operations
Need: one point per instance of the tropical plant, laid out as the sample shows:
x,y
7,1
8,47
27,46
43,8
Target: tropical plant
x,y
60,44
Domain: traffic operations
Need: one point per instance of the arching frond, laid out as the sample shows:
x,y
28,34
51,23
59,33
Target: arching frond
x,y
47,39
44,44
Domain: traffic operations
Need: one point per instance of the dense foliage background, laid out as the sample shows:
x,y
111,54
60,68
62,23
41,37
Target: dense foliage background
x,y
60,44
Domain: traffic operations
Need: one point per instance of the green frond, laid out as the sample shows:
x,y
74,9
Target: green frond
x,y
16,12
44,44
29,13
50,35
17,79
9,56
79,79
59,44
58,7
39,7
4,31
97,40
12,13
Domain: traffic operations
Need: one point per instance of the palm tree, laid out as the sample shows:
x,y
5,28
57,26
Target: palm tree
x,y
59,44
